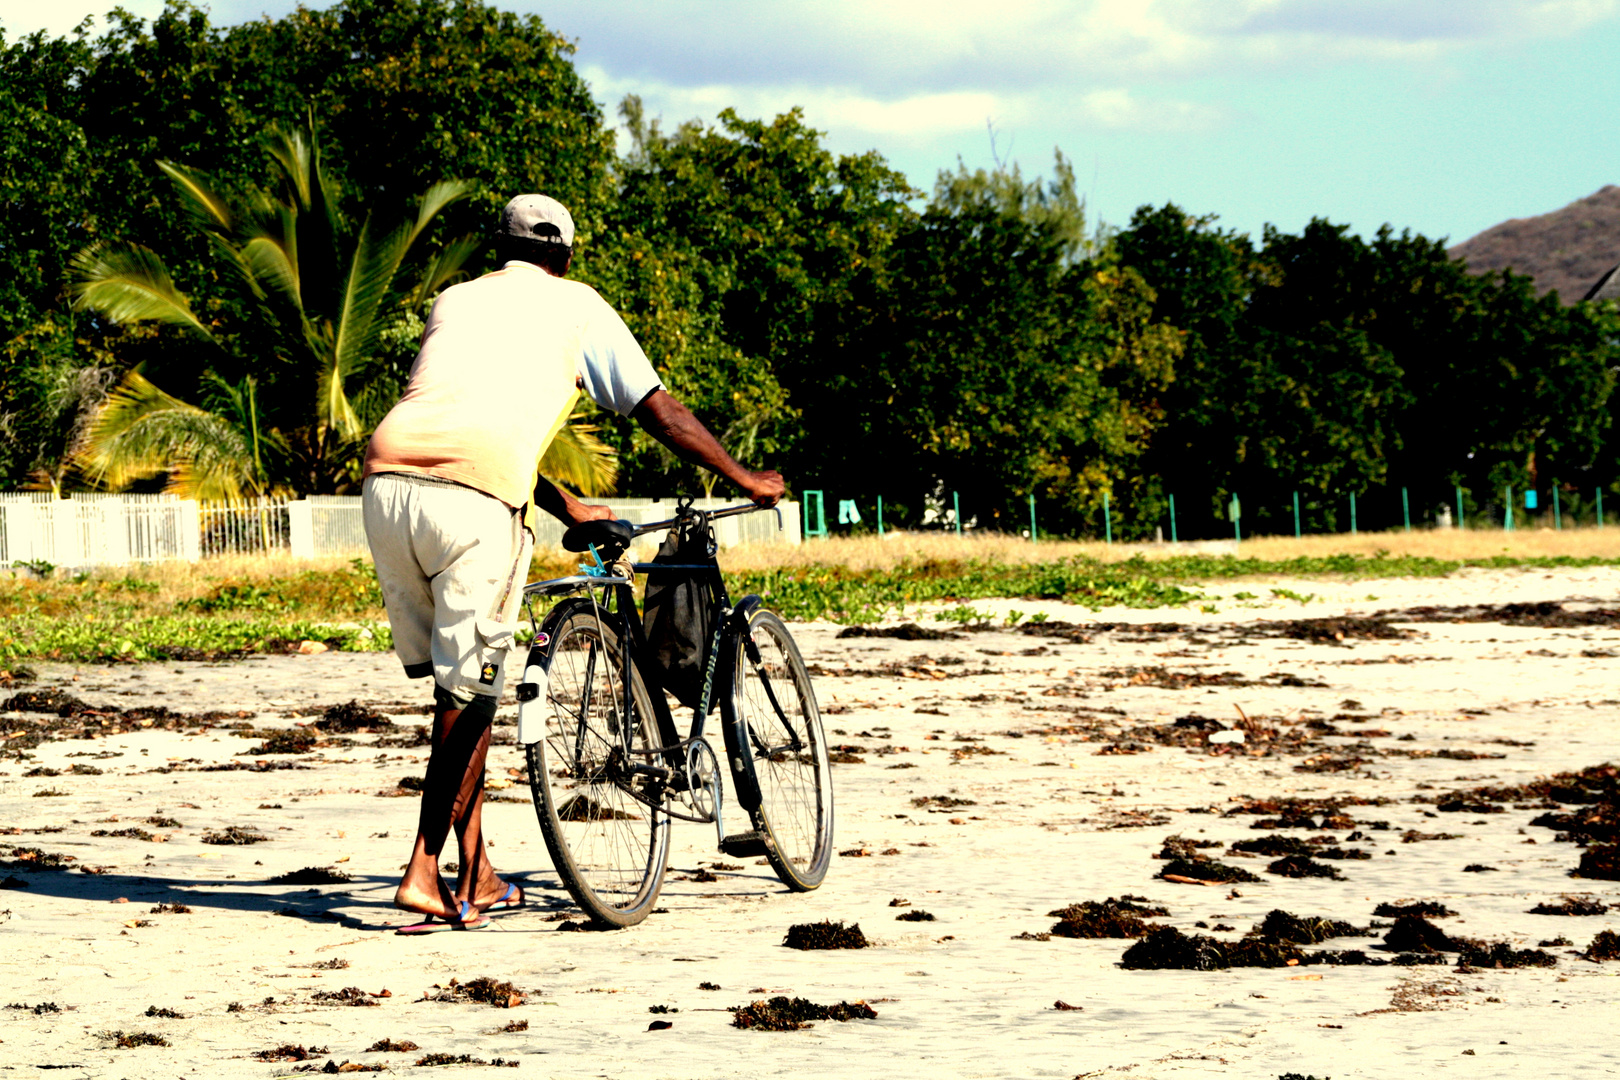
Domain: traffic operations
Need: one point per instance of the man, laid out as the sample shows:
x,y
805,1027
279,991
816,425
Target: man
x,y
449,476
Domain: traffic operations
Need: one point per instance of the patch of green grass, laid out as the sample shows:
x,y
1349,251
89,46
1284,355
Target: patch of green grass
x,y
99,637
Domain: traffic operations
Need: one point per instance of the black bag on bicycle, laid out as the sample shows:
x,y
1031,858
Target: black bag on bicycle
x,y
679,611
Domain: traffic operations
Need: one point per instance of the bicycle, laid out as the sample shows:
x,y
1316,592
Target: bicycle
x,y
609,771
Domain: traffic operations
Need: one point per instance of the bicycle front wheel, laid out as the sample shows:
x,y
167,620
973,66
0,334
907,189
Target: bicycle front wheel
x,y
609,846
780,751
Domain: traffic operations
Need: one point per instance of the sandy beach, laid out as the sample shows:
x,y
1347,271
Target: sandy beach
x,y
990,778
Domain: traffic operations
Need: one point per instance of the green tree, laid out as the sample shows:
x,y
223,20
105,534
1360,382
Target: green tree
x,y
732,251
294,390
997,362
410,92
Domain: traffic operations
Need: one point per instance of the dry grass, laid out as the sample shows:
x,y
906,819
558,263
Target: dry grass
x,y
176,582
870,553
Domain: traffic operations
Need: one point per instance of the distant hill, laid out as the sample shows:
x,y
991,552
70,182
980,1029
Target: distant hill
x,y
1567,249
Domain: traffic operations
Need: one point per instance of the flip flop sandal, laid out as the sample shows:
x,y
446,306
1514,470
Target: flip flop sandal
x,y
437,926
511,898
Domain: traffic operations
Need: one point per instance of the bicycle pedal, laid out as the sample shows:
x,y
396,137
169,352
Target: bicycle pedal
x,y
745,845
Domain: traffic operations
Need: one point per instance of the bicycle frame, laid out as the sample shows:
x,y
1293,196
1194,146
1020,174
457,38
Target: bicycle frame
x,y
617,608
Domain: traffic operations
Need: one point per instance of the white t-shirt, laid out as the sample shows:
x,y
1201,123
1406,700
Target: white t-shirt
x,y
501,363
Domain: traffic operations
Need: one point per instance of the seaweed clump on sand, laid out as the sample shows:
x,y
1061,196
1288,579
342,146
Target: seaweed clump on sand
x,y
1600,863
1205,870
914,915
484,990
33,858
1502,955
1414,933
1272,847
290,1052
1302,866
825,935
234,834
349,995
352,716
1572,905
292,741
1169,949
792,1014
1111,918
124,1040
904,632
1429,909
1284,927
312,875
1606,946
389,1046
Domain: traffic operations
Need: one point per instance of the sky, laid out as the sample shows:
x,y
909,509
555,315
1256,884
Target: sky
x,y
1441,116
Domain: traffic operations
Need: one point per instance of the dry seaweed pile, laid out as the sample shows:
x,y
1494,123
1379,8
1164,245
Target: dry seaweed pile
x,y
792,1014
312,875
1583,806
825,935
1546,614
1274,942
1110,918
483,990
904,632
54,714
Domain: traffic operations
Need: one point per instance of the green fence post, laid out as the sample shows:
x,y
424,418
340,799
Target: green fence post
x,y
956,508
1237,515
1173,514
1406,509
880,517
1507,513
1296,515
1600,508
1352,513
814,510
1558,510
1032,517
1460,522
1108,522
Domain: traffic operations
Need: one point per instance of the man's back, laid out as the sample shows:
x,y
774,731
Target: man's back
x,y
494,380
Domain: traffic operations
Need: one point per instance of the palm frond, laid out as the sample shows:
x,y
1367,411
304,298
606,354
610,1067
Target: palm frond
x,y
271,258
293,153
358,329
141,431
578,458
433,202
130,285
206,205
449,264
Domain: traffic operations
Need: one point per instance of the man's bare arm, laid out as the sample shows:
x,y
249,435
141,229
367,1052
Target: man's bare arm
x,y
673,424
560,504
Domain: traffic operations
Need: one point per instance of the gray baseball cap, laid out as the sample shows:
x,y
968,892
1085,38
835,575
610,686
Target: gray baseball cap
x,y
538,217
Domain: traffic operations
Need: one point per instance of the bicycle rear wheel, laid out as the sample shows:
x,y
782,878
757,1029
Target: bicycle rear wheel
x,y
609,847
778,746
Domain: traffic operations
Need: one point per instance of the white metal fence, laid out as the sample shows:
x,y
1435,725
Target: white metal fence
x,y
99,530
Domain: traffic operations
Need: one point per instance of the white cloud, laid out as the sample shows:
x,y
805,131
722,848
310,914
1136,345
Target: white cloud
x,y
893,50
58,18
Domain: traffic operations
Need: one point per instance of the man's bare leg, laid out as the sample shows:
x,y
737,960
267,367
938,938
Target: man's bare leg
x,y
454,779
477,880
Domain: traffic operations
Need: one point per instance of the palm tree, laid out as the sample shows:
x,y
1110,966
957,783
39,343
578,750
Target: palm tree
x,y
320,299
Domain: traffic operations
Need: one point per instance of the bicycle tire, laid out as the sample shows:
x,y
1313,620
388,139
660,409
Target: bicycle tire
x,y
786,766
609,848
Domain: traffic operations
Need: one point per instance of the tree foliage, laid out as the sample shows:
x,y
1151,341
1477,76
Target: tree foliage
x,y
244,317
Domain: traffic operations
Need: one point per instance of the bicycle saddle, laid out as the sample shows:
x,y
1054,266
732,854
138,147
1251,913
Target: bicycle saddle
x,y
602,533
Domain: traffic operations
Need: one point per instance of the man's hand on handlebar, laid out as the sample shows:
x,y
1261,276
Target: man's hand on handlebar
x,y
765,488
583,512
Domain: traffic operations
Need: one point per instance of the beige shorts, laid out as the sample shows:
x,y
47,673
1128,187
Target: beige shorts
x,y
451,562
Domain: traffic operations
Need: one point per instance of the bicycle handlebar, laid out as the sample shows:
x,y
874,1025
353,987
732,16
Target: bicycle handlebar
x,y
730,511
